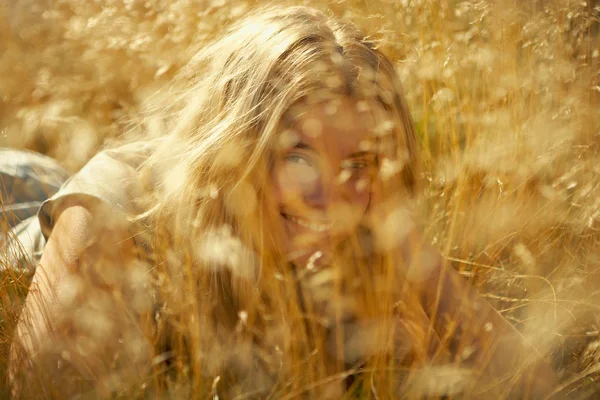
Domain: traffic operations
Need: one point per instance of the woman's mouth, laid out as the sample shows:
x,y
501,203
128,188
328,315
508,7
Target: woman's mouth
x,y
306,223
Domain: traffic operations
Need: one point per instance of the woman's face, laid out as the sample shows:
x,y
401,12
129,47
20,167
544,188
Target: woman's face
x,y
322,177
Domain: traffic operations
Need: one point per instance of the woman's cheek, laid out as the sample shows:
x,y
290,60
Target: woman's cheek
x,y
361,192
287,183
348,215
375,194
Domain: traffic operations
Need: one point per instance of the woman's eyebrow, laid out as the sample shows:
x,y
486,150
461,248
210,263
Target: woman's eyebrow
x,y
359,154
304,146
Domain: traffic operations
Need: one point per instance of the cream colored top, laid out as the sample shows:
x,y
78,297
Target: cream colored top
x,y
110,177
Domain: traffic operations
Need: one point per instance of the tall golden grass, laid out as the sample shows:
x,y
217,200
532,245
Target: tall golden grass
x,y
505,95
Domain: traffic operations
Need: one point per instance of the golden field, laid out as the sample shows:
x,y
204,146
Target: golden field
x,y
505,94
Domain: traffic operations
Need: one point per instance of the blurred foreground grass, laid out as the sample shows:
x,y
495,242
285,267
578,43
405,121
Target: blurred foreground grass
x,y
505,95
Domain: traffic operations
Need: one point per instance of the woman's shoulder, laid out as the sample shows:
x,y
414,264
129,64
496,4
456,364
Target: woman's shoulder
x,y
110,178
108,186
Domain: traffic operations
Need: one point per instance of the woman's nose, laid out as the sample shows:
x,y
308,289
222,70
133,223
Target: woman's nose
x,y
325,192
315,196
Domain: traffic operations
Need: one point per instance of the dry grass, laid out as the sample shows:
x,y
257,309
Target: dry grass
x,y
505,95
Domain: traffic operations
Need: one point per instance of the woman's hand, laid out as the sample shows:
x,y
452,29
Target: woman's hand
x,y
478,337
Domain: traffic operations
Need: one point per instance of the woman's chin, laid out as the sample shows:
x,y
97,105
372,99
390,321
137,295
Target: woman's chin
x,y
310,258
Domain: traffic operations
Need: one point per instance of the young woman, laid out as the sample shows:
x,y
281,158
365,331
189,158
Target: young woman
x,y
265,246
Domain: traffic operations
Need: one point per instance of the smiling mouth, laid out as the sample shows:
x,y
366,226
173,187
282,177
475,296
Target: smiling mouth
x,y
312,225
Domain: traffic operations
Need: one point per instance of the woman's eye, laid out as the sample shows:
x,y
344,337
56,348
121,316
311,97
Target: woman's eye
x,y
300,168
356,165
297,159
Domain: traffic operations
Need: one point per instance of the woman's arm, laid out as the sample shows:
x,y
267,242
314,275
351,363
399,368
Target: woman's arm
x,y
85,243
475,333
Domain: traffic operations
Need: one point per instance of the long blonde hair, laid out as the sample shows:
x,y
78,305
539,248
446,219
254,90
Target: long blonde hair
x,y
208,218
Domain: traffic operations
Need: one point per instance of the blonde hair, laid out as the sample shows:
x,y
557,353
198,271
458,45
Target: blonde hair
x,y
208,217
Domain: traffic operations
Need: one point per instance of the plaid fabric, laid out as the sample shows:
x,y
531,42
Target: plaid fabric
x,y
27,179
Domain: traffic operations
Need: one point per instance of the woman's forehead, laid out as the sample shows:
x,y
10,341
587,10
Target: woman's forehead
x,y
343,125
